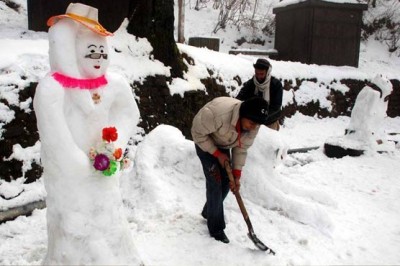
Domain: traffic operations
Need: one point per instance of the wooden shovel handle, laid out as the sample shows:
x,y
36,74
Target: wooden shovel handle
x,y
237,194
246,217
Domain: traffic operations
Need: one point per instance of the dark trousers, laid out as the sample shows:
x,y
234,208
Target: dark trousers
x,y
217,187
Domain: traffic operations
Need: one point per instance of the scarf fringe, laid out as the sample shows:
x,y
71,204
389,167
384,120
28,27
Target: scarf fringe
x,y
83,84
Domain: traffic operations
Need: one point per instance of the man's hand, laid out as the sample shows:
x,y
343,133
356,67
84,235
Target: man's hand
x,y
222,157
235,187
234,177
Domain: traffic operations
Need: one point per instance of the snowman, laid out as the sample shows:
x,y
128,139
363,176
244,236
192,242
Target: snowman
x,y
76,104
369,112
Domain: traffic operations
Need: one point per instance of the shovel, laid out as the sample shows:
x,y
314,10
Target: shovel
x,y
239,200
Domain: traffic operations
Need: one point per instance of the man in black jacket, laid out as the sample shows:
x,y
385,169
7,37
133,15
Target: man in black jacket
x,y
263,85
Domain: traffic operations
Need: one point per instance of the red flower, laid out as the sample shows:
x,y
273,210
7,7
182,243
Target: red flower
x,y
110,134
117,153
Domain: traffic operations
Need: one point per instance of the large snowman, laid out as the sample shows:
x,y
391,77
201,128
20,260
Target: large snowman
x,y
74,104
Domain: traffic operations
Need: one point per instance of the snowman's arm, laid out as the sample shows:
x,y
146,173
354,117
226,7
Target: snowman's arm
x,y
124,111
55,135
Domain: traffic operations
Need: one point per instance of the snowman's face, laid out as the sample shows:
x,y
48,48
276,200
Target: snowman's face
x,y
92,53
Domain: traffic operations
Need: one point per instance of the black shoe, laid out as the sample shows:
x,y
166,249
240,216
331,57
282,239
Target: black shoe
x,y
220,236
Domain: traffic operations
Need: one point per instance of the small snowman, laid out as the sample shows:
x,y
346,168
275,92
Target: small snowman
x,y
368,113
364,132
83,112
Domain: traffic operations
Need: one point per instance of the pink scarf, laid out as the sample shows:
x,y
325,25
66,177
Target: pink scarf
x,y
83,84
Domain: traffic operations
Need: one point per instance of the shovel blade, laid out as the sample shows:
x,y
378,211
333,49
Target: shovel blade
x,y
260,244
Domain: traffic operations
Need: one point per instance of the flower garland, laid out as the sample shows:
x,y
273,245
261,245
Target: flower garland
x,y
106,157
83,84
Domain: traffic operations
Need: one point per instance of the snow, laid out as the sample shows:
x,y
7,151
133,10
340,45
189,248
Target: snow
x,y
312,92
13,190
309,208
26,155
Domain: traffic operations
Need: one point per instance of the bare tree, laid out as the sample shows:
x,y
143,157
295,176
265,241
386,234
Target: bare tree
x,y
254,9
234,12
201,4
382,21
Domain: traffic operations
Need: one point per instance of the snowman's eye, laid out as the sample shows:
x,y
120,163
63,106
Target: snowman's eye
x,y
92,51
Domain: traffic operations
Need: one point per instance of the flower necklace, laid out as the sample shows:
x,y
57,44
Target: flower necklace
x,y
82,84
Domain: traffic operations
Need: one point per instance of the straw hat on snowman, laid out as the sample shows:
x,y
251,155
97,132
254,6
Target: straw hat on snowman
x,y
85,15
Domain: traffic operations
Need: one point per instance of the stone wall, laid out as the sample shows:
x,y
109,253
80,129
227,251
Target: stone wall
x,y
157,106
342,104
21,130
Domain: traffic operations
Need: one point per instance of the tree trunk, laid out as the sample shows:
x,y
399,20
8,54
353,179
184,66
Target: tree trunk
x,y
181,21
154,20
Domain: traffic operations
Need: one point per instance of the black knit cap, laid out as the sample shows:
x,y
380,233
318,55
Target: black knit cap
x,y
262,64
255,109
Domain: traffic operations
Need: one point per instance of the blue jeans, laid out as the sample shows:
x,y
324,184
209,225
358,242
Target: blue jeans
x,y
217,187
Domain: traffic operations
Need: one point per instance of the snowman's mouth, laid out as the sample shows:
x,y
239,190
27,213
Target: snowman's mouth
x,y
96,67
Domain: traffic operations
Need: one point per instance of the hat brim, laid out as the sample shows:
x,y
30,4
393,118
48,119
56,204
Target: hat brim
x,y
93,26
258,120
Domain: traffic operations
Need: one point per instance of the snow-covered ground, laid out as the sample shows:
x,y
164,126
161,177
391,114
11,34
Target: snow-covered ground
x,y
311,209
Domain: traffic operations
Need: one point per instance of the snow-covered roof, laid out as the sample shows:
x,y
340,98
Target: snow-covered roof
x,y
285,3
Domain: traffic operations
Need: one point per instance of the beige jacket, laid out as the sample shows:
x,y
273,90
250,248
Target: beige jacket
x,y
214,126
